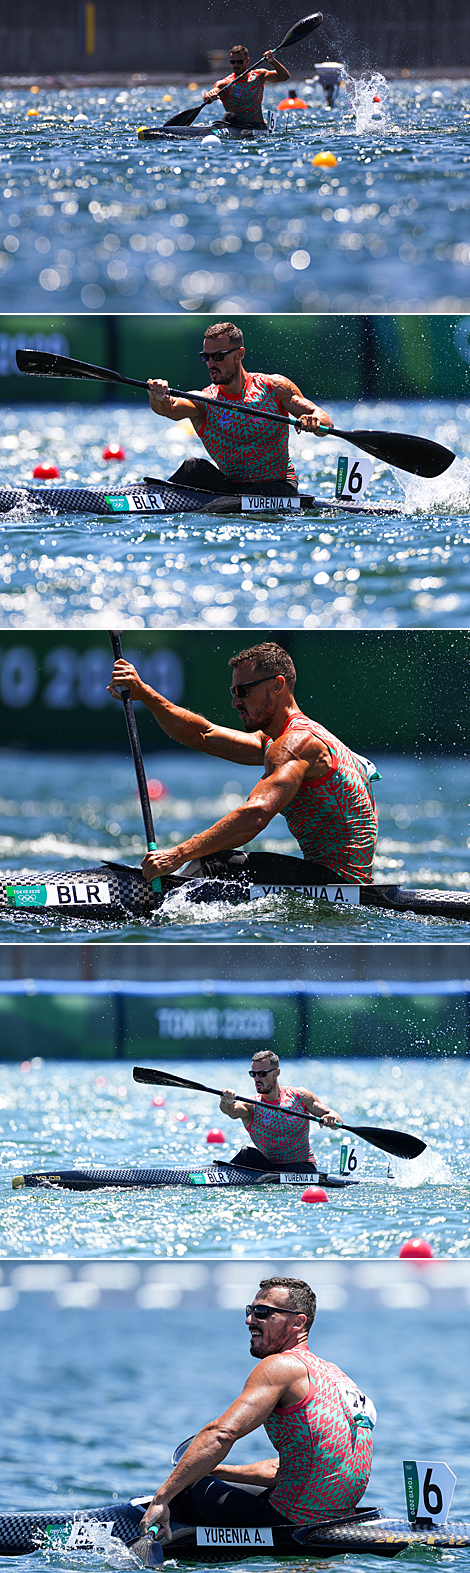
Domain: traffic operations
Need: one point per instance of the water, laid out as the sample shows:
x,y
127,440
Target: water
x,y
94,220
80,811
195,571
76,1115
95,1400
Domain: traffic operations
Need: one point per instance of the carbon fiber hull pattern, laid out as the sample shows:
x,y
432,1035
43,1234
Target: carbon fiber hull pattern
x,y
214,1178
154,497
92,1529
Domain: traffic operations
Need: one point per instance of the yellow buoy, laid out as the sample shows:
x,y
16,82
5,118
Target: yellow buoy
x,y
32,112
34,90
167,98
141,133
325,159
193,86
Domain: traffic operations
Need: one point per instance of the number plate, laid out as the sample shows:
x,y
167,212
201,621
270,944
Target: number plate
x,y
66,893
137,502
256,504
337,895
208,1536
84,1534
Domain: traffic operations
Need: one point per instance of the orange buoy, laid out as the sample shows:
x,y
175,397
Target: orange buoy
x,y
32,112
215,1136
113,450
46,472
376,99
324,160
314,1193
414,1249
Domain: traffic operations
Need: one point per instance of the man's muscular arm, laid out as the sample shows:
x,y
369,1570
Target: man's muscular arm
x,y
235,1107
263,1389
310,415
269,797
184,726
174,409
316,1105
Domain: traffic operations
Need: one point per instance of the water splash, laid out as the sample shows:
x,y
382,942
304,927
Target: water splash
x,y
370,115
447,493
429,1168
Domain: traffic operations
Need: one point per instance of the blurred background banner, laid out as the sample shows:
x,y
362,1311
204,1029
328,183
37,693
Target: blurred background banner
x,y
350,357
97,36
53,686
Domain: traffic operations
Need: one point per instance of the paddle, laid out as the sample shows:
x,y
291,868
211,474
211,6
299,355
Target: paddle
x,y
295,33
115,638
418,455
397,1143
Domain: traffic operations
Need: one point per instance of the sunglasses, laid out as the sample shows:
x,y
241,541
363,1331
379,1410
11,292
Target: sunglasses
x,y
263,1311
240,690
217,355
260,1074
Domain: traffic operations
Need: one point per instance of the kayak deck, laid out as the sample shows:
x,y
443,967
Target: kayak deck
x,y
162,497
227,133
106,1529
214,1178
116,892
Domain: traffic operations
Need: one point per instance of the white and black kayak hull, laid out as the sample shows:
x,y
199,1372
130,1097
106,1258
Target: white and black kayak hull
x,y
218,1176
118,893
156,497
117,1525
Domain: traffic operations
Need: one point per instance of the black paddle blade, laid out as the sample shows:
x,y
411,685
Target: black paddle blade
x,y
416,454
165,1079
39,363
185,118
397,1143
300,29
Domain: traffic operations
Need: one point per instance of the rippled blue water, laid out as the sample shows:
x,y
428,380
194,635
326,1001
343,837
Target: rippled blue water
x,y
92,219
95,1400
317,572
77,811
72,1115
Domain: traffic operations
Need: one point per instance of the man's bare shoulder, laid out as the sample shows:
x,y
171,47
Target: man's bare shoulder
x,y
278,1369
283,385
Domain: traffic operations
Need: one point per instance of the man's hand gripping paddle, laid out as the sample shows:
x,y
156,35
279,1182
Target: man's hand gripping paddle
x,y
398,1143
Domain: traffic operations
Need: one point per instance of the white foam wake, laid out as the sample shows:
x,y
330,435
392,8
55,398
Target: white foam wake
x,y
429,1168
370,115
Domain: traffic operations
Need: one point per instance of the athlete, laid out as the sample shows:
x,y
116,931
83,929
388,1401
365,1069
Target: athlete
x,y
242,99
317,1420
322,788
293,101
280,1141
246,451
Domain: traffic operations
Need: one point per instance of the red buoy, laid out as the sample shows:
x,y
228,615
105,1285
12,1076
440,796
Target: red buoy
x,y
158,1102
314,1193
182,1118
376,99
46,472
25,1066
156,790
413,1249
215,1136
113,450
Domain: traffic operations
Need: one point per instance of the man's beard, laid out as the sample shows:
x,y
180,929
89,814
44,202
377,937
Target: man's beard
x,y
259,723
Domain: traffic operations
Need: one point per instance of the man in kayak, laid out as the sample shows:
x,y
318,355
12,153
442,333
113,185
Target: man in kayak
x,y
280,1141
242,100
321,786
317,1420
248,452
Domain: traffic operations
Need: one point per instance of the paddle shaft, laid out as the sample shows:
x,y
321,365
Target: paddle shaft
x,y
137,757
392,1140
418,455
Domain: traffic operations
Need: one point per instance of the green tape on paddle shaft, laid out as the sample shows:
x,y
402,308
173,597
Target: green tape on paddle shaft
x,y
156,883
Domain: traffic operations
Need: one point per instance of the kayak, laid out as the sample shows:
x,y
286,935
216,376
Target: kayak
x,y
156,496
368,1531
218,1176
162,133
117,892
